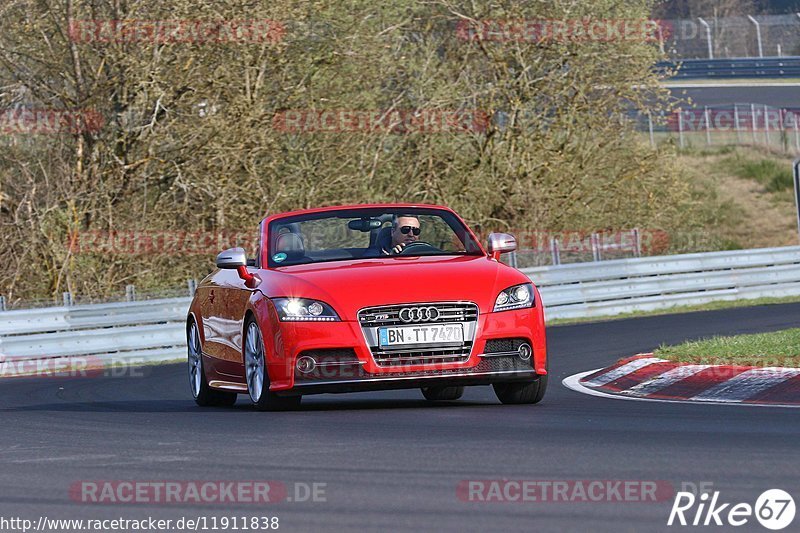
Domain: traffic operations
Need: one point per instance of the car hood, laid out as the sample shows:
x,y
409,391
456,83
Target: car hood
x,y
351,285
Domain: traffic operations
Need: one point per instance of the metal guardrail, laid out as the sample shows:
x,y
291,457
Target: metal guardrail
x,y
153,330
92,316
644,284
768,67
149,330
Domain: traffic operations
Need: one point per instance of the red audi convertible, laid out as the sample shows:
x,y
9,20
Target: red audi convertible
x,y
368,297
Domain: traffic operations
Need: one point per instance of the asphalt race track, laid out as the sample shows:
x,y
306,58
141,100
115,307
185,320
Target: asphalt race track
x,y
774,95
391,461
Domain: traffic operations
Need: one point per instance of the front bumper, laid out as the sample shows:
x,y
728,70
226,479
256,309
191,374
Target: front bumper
x,y
489,370
351,366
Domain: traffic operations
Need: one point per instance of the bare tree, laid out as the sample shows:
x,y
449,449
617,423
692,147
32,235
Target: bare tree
x,y
191,142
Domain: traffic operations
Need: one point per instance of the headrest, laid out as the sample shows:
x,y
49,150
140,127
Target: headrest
x,y
384,239
291,244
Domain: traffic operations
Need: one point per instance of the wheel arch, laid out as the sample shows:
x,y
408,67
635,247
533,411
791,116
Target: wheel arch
x,y
191,317
260,309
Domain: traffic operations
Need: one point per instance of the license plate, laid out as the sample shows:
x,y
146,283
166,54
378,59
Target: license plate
x,y
427,334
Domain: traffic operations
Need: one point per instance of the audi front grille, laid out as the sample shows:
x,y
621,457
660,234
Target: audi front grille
x,y
390,315
373,318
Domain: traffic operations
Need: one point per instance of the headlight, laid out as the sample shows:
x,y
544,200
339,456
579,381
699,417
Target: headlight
x,y
516,297
304,310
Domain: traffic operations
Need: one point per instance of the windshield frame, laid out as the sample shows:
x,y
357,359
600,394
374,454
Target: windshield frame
x,y
455,222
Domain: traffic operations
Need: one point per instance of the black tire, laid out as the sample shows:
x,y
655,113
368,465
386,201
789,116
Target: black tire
x,y
263,399
204,396
521,393
442,394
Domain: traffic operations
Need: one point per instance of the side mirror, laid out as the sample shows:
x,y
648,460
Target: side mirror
x,y
500,243
236,259
232,258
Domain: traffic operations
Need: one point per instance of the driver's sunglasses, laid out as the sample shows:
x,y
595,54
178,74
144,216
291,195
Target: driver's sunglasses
x,y
406,229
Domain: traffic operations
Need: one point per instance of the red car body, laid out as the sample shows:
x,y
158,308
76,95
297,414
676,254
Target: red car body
x,y
227,300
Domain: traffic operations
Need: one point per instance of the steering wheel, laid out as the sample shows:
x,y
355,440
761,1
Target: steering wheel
x,y
417,247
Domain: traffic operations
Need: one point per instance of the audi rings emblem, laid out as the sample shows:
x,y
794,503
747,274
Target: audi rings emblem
x,y
419,314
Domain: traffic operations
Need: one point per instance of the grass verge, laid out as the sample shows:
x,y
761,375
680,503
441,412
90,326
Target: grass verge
x,y
774,175
779,348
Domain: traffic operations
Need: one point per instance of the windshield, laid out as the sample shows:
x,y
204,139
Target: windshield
x,y
367,233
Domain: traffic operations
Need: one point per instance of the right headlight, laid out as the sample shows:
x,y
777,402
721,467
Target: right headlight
x,y
516,297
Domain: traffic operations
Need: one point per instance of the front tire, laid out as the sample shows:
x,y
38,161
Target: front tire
x,y
442,394
203,395
521,393
257,376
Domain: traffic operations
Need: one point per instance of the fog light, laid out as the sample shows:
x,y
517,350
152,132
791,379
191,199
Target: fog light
x,y
306,364
525,351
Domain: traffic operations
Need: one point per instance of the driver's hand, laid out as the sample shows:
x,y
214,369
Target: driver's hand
x,y
399,248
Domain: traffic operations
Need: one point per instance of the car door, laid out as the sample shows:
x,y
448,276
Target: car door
x,y
225,300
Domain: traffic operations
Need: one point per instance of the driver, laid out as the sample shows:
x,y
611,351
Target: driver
x,y
405,230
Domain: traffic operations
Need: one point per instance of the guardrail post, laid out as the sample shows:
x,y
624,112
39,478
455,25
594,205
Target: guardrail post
x,y
67,297
594,239
736,122
130,293
758,35
554,251
766,124
784,138
512,259
708,37
2,303
753,120
708,125
637,243
680,127
797,191
650,127
796,132
192,284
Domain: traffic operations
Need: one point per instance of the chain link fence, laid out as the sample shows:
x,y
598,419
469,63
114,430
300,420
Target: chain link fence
x,y
541,248
729,37
69,299
732,124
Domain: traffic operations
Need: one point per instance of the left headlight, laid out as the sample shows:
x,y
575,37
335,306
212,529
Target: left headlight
x,y
304,310
516,297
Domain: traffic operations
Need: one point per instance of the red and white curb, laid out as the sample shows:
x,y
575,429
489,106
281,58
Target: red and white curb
x,y
649,378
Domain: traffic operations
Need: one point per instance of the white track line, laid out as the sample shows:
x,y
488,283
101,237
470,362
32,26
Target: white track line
x,y
623,370
573,383
726,85
746,385
662,381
